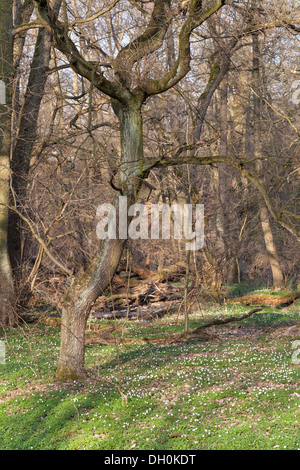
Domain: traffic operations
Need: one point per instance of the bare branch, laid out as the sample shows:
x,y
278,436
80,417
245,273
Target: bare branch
x,y
81,66
39,239
197,16
239,165
149,41
95,16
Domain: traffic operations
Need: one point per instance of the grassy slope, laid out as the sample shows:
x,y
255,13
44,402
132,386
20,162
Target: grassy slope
x,y
240,391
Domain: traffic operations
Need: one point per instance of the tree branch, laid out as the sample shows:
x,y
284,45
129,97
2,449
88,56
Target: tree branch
x,y
219,321
149,41
77,62
95,16
39,239
197,16
239,165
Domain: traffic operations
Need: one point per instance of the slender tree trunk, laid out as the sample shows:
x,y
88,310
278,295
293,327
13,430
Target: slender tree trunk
x,y
218,82
87,288
7,315
24,143
22,14
218,71
226,249
278,279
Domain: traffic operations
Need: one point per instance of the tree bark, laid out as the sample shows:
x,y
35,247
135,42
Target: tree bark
x,y
87,288
7,312
77,305
278,279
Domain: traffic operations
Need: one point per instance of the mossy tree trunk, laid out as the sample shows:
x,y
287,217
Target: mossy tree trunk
x,y
7,312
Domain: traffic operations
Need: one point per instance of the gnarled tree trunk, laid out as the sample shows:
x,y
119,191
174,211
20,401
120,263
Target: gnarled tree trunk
x,y
128,91
77,304
87,288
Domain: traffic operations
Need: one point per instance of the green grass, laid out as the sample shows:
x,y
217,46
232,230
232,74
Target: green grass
x,y
240,391
234,290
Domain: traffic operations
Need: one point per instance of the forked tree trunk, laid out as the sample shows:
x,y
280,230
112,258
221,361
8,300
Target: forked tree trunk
x,y
87,288
7,315
128,109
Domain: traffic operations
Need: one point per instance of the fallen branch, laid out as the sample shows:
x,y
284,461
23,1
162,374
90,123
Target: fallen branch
x,y
169,273
198,332
223,321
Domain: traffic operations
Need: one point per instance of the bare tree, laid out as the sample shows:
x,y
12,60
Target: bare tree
x,y
128,92
129,76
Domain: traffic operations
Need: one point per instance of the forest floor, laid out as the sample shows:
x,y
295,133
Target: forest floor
x,y
236,389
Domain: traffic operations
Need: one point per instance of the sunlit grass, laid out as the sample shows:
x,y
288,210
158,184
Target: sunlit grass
x,y
240,391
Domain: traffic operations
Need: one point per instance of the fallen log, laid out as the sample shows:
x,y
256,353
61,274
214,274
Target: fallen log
x,y
141,295
156,293
119,281
169,273
277,301
143,273
136,313
173,272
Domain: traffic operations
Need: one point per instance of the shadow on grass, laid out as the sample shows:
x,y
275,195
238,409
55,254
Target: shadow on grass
x,y
63,418
234,290
245,288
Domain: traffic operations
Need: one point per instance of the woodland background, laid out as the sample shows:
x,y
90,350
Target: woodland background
x,y
220,127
